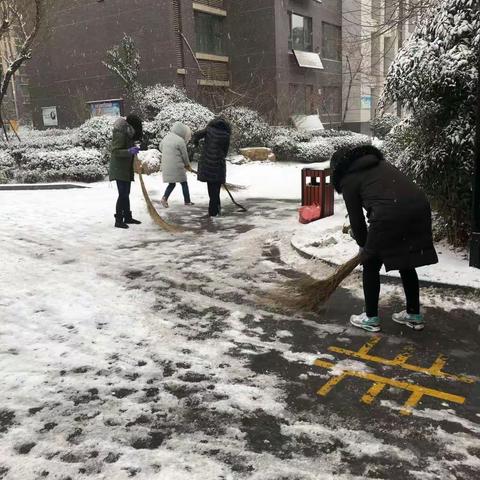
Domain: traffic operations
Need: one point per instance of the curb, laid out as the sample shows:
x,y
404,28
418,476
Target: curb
x,y
397,281
43,186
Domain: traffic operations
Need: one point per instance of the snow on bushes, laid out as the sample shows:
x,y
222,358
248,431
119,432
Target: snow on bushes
x,y
290,145
96,132
193,115
53,155
7,166
55,139
151,161
155,98
382,126
248,128
75,164
435,76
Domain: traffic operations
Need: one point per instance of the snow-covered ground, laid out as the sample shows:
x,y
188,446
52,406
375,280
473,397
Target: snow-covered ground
x,y
139,354
324,239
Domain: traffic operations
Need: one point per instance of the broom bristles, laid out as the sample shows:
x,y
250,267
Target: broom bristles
x,y
308,293
234,187
153,212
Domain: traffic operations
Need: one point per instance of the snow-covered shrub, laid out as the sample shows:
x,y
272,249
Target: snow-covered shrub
x,y
351,140
75,164
315,151
328,133
396,144
150,134
96,132
7,166
26,132
151,161
47,139
290,145
155,98
284,146
249,129
435,76
381,126
191,114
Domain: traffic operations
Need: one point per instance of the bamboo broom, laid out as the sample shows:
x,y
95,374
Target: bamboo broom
x,y
309,293
152,210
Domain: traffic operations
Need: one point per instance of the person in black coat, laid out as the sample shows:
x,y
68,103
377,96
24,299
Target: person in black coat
x,y
212,165
399,235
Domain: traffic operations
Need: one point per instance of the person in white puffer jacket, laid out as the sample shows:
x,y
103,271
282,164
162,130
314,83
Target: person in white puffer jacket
x,y
175,161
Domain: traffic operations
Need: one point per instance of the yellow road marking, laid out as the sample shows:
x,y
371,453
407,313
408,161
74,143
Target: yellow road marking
x,y
380,382
372,393
400,360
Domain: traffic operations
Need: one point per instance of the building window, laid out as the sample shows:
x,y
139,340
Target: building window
x,y
300,37
331,41
331,103
210,33
302,99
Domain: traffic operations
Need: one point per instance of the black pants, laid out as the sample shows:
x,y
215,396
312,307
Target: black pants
x,y
185,190
123,202
214,194
371,287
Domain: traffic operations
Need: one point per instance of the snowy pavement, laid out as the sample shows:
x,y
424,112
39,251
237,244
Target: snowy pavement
x,y
140,354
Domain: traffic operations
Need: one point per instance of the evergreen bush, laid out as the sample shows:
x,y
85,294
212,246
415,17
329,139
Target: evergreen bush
x,y
435,77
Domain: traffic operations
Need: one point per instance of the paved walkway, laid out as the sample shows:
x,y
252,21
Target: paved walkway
x,y
181,371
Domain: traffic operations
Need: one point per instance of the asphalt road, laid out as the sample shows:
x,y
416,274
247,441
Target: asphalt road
x,y
277,394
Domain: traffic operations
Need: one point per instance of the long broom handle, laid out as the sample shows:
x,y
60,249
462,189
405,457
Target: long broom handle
x,y
153,212
241,207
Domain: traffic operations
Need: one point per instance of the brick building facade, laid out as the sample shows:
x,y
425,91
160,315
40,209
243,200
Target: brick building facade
x,y
218,50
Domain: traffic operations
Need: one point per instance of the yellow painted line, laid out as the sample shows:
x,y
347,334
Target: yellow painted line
x,y
372,393
400,360
417,391
325,390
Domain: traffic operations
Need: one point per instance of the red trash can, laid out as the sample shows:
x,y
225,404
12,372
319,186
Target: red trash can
x,y
317,189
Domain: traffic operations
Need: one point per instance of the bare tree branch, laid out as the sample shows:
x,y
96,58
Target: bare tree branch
x,y
20,20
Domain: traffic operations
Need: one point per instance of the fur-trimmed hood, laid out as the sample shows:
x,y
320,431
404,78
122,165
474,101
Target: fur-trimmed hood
x,y
348,160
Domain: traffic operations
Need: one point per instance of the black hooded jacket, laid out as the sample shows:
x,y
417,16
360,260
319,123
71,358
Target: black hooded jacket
x,y
400,231
212,165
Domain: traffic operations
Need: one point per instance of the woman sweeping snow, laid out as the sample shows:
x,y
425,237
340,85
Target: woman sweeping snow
x,y
175,161
400,231
126,132
212,167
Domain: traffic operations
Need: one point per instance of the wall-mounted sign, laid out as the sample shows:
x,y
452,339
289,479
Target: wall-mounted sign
x,y
100,108
366,101
50,118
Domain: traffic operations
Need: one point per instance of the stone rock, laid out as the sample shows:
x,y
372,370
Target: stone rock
x,y
258,154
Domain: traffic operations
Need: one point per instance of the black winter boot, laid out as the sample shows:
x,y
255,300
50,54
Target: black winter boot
x,y
131,220
119,223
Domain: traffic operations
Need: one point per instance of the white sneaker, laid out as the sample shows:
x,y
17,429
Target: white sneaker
x,y
413,321
370,324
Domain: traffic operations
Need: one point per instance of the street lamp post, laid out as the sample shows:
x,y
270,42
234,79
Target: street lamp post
x,y
475,240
